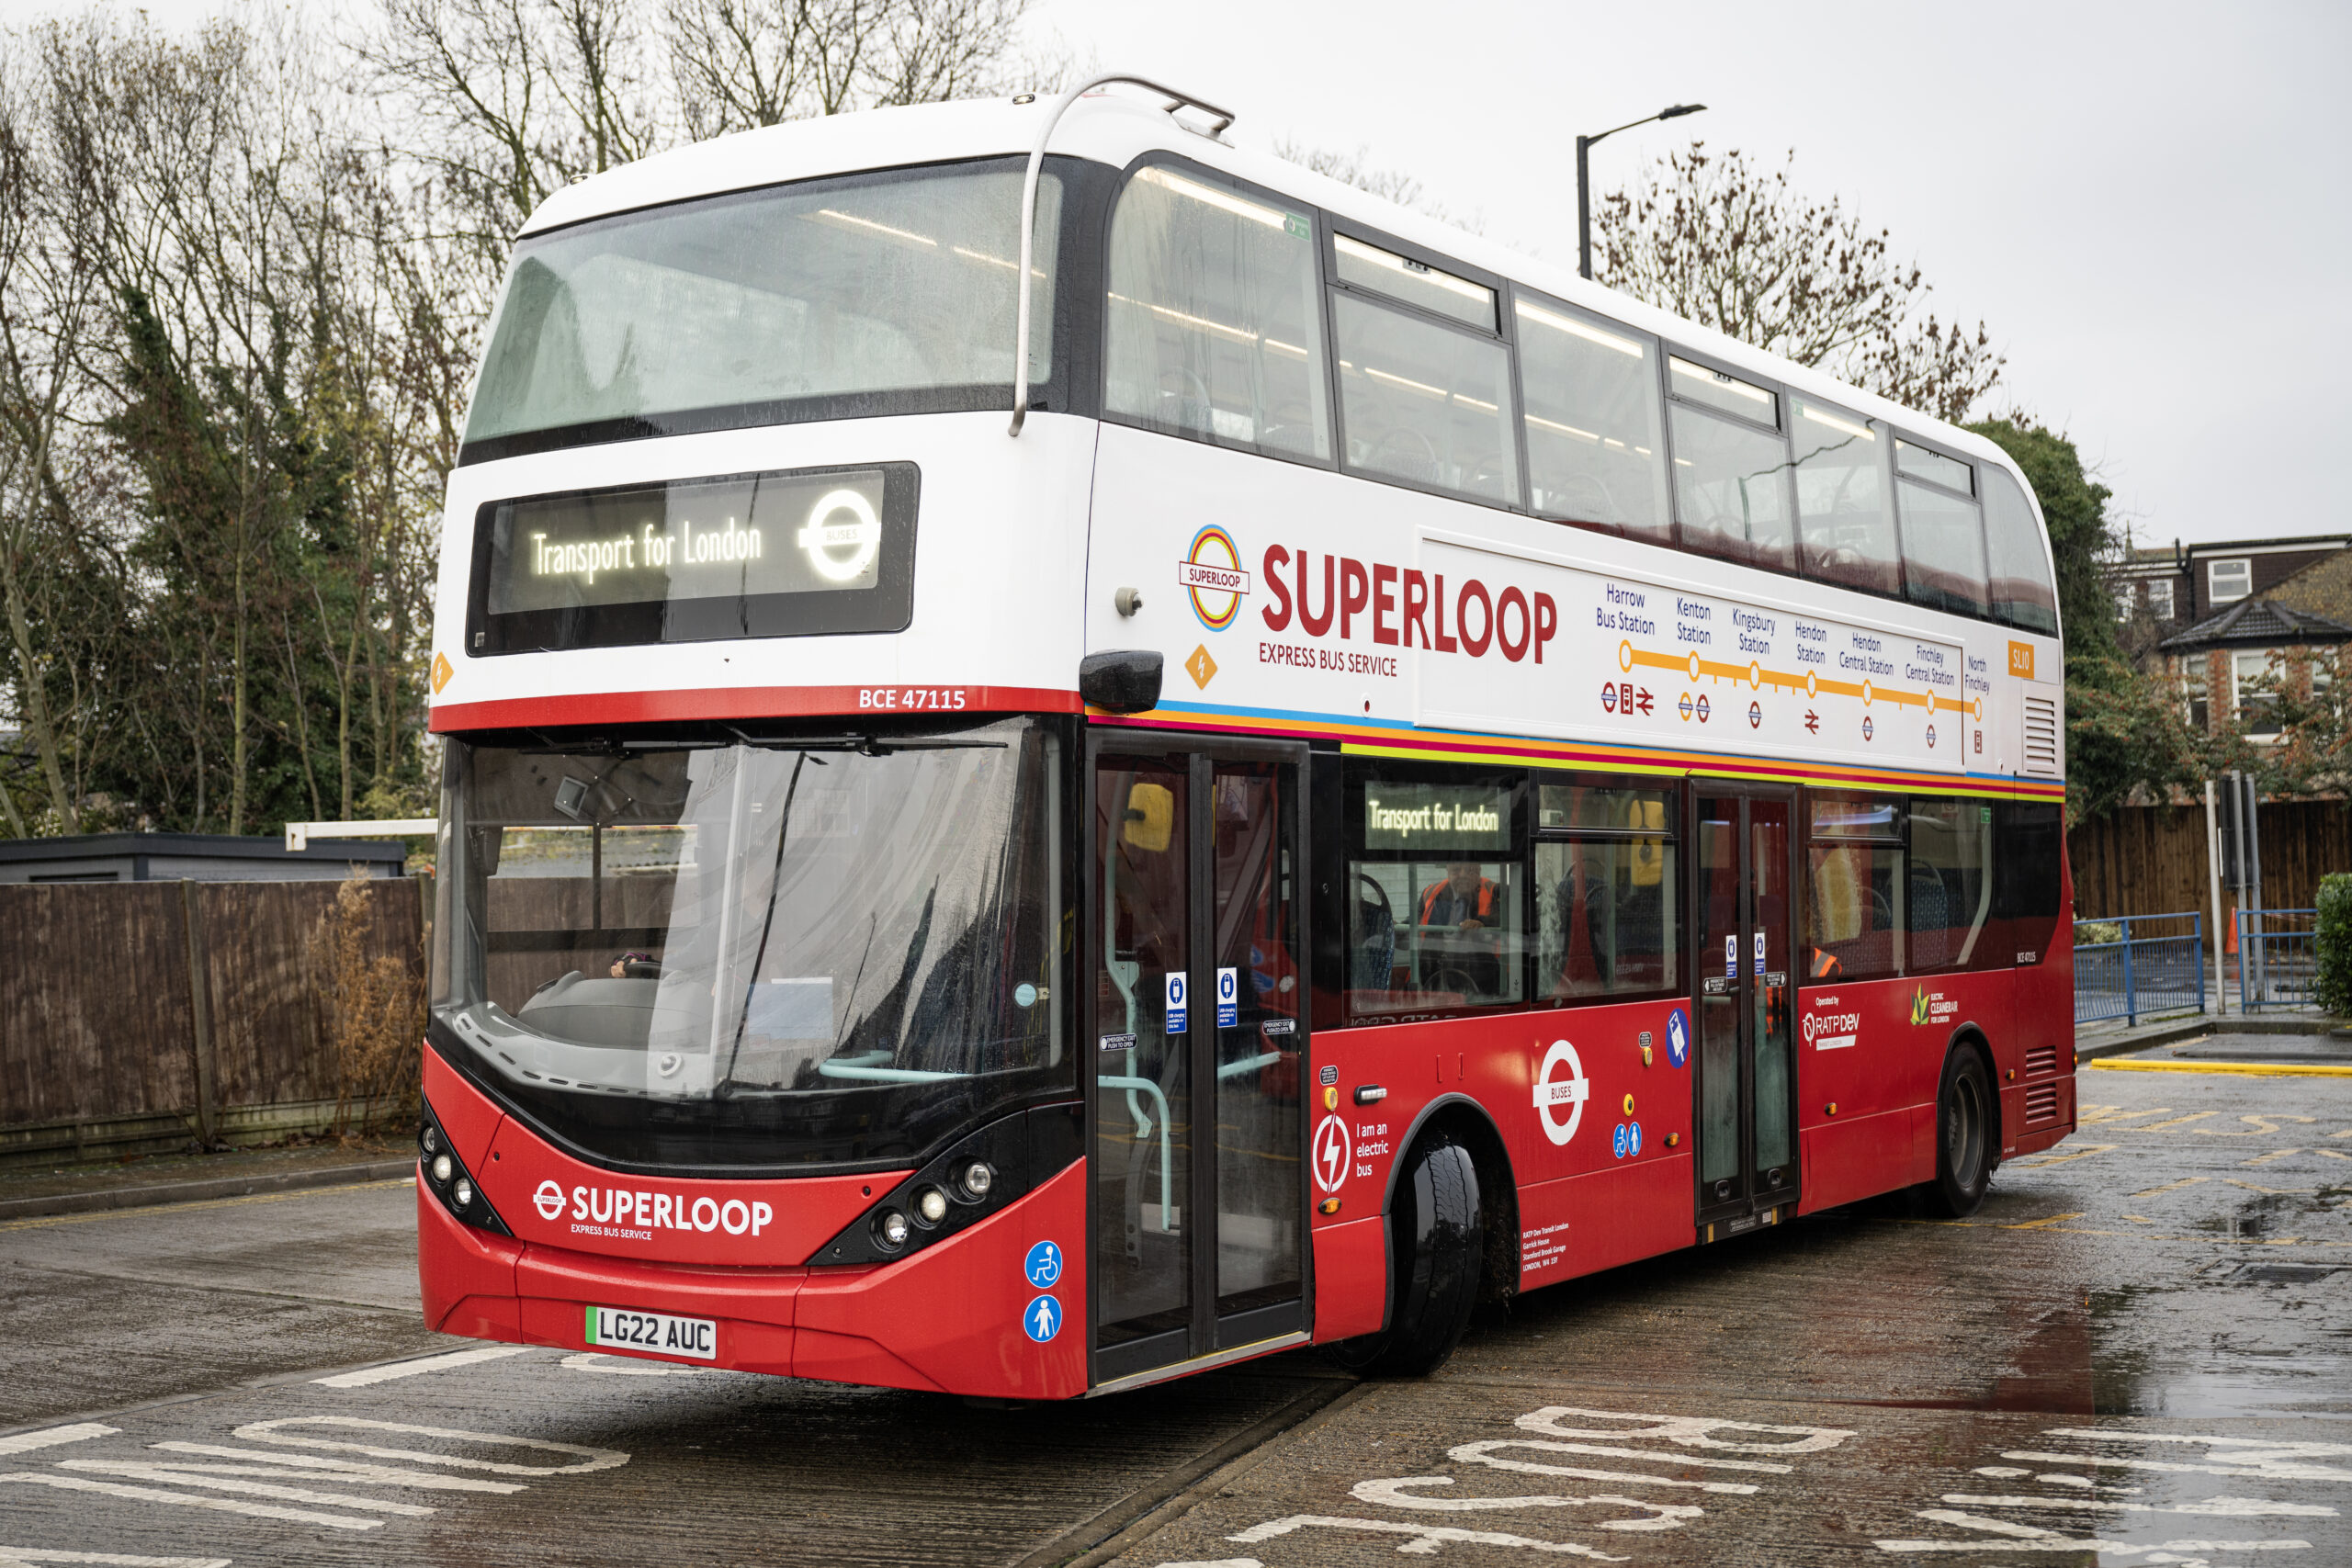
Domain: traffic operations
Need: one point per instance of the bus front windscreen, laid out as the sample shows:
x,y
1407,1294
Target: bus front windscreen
x,y
699,954
883,293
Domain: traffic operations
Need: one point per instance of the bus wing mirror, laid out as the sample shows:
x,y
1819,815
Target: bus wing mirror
x,y
1123,680
1151,817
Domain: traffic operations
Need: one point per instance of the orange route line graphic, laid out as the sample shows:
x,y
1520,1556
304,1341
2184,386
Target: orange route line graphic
x,y
1757,678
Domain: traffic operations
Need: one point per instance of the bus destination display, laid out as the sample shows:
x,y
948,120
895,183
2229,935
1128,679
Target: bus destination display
x,y
741,555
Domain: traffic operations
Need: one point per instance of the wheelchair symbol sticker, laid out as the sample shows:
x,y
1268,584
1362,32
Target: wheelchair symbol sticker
x,y
1678,1038
1043,1267
1042,1319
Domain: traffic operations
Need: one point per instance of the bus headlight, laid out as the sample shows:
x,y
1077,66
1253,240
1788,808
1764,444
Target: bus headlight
x,y
977,1179
463,1193
891,1229
931,1204
442,1167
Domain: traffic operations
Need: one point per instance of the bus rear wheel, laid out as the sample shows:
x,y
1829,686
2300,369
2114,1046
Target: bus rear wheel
x,y
1436,1241
1963,1136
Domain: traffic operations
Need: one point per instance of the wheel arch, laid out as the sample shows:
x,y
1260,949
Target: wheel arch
x,y
1470,1125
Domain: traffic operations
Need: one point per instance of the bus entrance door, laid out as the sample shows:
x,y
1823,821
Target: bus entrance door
x,y
1194,917
1746,1114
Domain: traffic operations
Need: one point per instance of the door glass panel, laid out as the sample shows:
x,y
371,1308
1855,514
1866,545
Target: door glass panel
x,y
1718,961
1144,1014
1254,972
1768,875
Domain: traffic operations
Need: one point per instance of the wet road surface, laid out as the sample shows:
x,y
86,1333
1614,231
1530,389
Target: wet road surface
x,y
2140,1352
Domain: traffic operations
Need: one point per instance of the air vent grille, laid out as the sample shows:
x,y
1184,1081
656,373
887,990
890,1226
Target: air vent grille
x,y
2041,1104
2041,734
2040,1060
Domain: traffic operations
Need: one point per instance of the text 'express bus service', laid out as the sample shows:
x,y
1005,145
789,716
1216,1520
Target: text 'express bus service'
x,y
1029,811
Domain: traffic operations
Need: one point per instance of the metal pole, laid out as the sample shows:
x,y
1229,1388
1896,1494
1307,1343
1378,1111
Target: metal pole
x,y
2214,878
199,1009
2237,870
2254,884
1584,207
2130,996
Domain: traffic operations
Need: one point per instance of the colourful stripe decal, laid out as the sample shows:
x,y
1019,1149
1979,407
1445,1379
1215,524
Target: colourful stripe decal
x,y
900,700
1390,739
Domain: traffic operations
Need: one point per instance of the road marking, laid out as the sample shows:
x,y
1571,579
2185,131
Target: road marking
x,y
2272,1192
2263,1126
2172,1185
1391,1494
13,1556
1426,1540
2099,1115
273,1432
2038,1161
2333,1153
441,1363
2176,1122
2227,1507
2140,1219
318,1467
221,1504
2275,1153
627,1367
2045,1220
203,1476
81,1432
2249,1069
48,1220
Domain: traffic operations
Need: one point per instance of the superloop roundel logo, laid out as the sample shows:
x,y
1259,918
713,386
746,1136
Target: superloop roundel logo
x,y
1213,578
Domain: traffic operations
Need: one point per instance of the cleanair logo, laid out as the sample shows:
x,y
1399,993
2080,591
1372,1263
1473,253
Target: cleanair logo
x,y
641,1213
550,1199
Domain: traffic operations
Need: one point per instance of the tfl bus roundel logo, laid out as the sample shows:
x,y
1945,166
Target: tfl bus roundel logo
x,y
1211,577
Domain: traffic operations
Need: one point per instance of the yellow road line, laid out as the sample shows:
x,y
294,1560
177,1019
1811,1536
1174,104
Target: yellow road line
x,y
2277,1154
48,1220
2047,1219
2249,1069
2035,1162
2171,1187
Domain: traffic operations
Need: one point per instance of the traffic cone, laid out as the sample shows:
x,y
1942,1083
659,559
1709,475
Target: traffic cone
x,y
2229,941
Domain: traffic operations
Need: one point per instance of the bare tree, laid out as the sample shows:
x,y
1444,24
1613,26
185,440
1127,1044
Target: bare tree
x,y
740,65
1357,169
1728,243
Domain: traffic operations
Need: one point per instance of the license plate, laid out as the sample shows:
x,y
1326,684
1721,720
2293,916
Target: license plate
x,y
655,1333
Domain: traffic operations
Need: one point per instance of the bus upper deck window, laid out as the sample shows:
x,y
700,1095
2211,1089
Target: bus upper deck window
x,y
1415,283
1845,513
1594,451
1213,327
2016,562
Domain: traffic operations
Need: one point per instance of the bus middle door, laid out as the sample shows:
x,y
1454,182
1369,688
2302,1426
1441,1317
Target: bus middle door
x,y
1746,1114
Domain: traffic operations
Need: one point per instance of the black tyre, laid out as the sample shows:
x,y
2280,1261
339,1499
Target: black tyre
x,y
1964,1145
1436,1241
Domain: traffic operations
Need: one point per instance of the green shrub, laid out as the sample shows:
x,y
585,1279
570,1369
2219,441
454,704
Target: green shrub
x,y
2333,983
2096,934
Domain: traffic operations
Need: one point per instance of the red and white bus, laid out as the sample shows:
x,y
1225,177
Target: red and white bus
x,y
1364,772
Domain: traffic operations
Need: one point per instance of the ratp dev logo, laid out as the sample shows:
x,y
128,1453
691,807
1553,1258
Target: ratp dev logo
x,y
1212,577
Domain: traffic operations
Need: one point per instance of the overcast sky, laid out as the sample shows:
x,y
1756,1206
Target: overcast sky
x,y
2148,204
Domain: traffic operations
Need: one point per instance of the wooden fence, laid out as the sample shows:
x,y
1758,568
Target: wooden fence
x,y
136,1015
2151,860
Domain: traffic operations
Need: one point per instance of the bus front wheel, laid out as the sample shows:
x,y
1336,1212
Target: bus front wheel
x,y
1963,1136
1436,1240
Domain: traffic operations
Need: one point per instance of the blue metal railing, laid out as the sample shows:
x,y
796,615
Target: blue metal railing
x,y
2278,958
2125,969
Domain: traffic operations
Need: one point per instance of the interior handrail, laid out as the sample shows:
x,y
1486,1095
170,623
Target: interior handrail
x,y
1223,117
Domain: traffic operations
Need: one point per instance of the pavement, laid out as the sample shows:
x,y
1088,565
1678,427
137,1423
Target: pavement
x,y
2139,1351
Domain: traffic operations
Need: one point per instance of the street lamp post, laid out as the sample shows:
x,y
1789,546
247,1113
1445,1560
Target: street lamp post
x,y
1584,183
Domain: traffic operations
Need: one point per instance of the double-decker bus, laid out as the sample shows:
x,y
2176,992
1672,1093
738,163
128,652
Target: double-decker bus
x,y
1034,809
